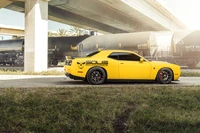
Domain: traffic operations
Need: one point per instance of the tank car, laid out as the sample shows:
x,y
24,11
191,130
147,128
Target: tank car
x,y
143,43
186,48
12,51
59,47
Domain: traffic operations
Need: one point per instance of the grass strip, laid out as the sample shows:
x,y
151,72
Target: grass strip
x,y
141,108
190,74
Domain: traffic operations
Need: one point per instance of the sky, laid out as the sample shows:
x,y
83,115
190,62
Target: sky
x,y
9,17
186,10
16,19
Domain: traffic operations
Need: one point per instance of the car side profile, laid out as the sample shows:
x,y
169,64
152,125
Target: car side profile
x,y
100,66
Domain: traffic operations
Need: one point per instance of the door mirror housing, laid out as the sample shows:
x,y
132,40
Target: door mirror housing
x,y
141,60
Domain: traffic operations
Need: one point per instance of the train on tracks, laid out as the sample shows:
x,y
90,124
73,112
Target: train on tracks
x,y
12,51
179,47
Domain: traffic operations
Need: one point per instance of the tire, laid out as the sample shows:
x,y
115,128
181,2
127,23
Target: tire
x,y
164,76
96,76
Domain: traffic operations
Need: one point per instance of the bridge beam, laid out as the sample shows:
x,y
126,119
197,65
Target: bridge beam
x,y
11,31
70,18
4,3
97,11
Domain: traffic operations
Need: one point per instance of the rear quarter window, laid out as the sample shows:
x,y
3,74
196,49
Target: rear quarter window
x,y
92,54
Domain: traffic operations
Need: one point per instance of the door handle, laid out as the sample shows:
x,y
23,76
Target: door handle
x,y
121,63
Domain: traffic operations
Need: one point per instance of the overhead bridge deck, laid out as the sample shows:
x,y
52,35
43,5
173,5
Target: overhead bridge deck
x,y
108,16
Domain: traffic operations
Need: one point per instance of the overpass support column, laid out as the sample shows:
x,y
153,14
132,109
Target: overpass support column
x,y
36,35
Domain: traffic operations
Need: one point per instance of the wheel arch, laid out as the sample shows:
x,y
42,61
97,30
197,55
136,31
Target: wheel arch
x,y
163,68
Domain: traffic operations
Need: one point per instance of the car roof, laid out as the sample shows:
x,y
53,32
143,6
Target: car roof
x,y
105,53
116,50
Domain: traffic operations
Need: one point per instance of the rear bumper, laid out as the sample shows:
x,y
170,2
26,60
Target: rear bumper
x,y
73,77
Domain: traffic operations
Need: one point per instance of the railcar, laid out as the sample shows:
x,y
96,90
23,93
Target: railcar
x,y
12,51
186,48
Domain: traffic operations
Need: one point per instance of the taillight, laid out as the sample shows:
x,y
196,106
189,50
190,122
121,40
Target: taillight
x,y
68,62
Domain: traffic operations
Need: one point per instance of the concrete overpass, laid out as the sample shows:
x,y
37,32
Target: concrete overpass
x,y
108,16
11,30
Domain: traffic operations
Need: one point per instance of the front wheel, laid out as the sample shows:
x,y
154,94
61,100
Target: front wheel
x,y
96,76
164,76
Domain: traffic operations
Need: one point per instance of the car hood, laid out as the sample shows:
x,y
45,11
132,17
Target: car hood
x,y
162,63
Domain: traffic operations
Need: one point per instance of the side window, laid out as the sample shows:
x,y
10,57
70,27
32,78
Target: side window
x,y
114,55
124,56
128,56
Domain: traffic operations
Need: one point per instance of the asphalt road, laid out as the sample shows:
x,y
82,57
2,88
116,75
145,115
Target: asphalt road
x,y
25,81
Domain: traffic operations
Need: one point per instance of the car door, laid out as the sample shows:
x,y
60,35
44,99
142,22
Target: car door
x,y
130,67
113,69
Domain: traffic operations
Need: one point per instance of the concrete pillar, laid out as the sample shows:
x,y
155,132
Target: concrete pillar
x,y
36,35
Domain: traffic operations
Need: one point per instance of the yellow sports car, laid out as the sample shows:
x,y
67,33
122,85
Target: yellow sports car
x,y
100,66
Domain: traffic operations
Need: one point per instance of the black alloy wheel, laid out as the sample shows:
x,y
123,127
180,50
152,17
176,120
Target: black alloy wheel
x,y
96,76
164,76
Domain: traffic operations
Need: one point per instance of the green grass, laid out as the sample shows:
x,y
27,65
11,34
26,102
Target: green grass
x,y
190,74
137,109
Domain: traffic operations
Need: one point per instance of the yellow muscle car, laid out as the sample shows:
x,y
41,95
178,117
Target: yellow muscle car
x,y
100,66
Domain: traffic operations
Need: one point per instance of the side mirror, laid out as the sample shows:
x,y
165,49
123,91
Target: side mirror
x,y
141,60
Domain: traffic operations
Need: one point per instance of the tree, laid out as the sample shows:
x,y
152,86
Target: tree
x,y
62,32
50,33
76,31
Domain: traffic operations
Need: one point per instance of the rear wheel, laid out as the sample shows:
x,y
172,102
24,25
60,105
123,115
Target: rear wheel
x,y
96,76
164,76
